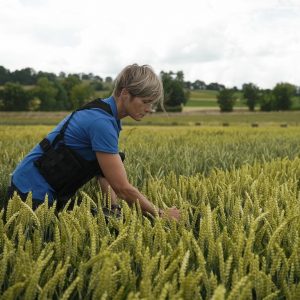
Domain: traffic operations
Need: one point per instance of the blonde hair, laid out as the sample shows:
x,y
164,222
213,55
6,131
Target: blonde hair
x,y
140,81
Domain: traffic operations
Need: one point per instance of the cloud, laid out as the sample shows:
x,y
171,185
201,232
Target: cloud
x,y
33,3
197,46
233,41
56,36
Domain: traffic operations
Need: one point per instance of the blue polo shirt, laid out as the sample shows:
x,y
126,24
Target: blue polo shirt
x,y
89,131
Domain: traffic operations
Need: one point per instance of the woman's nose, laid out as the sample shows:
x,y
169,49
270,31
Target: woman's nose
x,y
148,108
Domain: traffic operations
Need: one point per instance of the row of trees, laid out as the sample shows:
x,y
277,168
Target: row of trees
x,y
201,85
280,98
52,93
46,95
71,92
28,76
49,92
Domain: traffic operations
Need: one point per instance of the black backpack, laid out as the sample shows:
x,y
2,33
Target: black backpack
x,y
62,167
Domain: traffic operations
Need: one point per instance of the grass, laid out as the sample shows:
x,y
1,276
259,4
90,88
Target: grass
x,y
212,117
203,94
205,117
210,103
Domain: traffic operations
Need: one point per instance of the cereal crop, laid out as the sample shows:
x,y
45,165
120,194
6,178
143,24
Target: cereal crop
x,y
238,190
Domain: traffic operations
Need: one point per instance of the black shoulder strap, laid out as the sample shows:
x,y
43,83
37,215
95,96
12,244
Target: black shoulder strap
x,y
97,103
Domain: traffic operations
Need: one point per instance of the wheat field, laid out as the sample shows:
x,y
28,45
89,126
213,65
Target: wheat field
x,y
238,190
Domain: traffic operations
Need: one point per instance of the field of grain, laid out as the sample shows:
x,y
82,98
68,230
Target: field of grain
x,y
237,187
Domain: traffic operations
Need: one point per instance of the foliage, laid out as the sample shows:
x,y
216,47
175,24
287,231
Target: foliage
x,y
214,86
62,100
28,76
238,237
14,97
80,94
97,85
198,85
226,100
266,100
4,75
69,82
174,93
46,92
108,79
283,93
251,94
34,104
177,91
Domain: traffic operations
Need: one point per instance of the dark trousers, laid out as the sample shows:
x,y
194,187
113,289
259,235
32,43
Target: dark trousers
x,y
60,201
108,212
12,189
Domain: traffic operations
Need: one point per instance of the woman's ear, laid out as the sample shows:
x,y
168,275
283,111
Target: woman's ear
x,y
124,92
126,95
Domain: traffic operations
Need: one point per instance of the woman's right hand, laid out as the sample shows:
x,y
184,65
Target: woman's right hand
x,y
170,213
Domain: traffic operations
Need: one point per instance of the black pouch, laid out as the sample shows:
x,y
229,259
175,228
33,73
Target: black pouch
x,y
64,169
58,166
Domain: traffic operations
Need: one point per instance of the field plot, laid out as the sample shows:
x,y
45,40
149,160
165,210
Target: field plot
x,y
208,98
238,190
197,116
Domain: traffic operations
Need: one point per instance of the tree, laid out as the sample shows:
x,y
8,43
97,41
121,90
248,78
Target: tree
x,y
199,85
62,75
14,97
251,94
80,94
174,94
187,85
226,100
50,76
4,75
25,76
266,100
46,92
108,79
283,93
98,78
97,85
69,82
34,104
61,97
215,86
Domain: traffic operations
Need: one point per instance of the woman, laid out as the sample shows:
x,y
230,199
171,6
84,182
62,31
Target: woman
x,y
85,144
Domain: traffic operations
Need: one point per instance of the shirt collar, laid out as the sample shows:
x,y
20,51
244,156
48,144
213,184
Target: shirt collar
x,y
112,102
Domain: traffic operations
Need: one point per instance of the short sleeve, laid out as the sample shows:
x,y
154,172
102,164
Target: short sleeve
x,y
104,136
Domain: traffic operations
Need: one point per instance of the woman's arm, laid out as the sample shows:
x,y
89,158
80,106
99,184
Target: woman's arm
x,y
115,173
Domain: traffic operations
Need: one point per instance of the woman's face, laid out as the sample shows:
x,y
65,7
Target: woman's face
x,y
138,107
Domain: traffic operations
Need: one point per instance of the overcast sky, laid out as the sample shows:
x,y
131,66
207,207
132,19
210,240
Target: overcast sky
x,y
226,41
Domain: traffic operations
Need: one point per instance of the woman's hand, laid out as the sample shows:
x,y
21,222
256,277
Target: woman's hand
x,y
170,213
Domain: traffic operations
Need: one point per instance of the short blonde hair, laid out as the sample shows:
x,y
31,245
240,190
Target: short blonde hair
x,y
140,81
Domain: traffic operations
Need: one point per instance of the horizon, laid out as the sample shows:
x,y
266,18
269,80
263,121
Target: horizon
x,y
185,80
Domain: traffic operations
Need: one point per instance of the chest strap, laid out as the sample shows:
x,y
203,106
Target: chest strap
x,y
97,103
